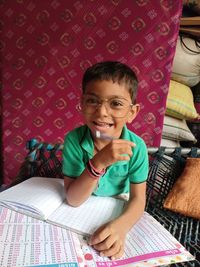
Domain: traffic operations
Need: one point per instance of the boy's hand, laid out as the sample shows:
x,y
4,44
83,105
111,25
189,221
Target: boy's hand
x,y
116,150
109,240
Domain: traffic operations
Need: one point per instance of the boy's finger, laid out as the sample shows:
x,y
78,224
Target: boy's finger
x,y
98,237
106,244
123,158
122,141
119,254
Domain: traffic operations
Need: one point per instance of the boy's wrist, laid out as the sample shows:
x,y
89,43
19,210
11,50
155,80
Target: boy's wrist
x,y
93,172
96,166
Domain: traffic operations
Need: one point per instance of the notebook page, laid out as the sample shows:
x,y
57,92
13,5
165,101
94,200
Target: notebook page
x,y
148,243
25,241
37,195
88,217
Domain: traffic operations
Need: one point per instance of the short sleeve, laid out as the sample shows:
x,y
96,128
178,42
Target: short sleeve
x,y
73,164
139,165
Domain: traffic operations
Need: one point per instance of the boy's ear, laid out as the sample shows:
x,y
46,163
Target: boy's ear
x,y
133,113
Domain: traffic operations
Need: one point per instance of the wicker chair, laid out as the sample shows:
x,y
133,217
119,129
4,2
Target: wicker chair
x,y
165,168
166,165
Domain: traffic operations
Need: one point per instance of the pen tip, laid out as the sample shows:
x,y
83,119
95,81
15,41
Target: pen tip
x,y
98,134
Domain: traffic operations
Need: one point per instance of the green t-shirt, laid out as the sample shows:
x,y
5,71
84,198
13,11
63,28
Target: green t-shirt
x,y
78,149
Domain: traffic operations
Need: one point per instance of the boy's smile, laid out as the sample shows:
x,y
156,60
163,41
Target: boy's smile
x,y
102,125
107,107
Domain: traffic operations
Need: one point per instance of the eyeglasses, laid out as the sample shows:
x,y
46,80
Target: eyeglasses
x,y
117,107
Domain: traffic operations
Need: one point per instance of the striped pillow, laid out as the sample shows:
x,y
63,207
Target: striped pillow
x,y
177,130
180,102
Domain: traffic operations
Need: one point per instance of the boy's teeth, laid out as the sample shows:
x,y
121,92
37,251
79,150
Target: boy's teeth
x,y
103,124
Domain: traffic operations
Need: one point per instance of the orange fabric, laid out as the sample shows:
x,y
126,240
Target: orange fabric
x,y
185,194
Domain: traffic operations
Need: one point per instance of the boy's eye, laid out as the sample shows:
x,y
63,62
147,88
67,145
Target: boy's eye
x,y
115,103
91,101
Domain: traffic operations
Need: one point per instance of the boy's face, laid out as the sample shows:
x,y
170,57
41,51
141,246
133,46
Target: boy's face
x,y
107,107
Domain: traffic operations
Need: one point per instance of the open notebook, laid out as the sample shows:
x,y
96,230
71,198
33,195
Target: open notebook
x,y
43,198
29,242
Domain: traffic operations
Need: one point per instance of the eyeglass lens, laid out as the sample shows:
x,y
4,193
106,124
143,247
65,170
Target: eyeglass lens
x,y
117,107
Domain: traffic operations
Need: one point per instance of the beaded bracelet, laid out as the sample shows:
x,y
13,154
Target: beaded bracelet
x,y
93,172
92,175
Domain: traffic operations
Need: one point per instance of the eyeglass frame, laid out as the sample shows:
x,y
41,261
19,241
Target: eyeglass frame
x,y
79,106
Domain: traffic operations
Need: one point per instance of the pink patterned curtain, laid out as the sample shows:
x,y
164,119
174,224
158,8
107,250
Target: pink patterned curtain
x,y
46,46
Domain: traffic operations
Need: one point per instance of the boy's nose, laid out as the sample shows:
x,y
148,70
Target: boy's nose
x,y
103,108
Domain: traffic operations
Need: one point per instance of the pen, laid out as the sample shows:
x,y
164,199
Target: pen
x,y
100,135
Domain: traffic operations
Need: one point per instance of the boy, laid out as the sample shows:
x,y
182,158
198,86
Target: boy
x,y
103,157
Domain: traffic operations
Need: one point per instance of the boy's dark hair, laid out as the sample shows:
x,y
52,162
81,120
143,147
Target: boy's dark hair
x,y
112,70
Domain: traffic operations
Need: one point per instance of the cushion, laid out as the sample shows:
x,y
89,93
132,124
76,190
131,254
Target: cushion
x,y
184,197
196,94
180,102
193,7
186,63
169,143
177,130
195,129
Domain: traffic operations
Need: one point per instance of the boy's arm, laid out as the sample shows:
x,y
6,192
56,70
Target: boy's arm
x,y
110,238
135,206
80,189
